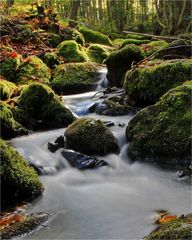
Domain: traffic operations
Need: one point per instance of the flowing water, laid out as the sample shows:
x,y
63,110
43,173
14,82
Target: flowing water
x,y
116,202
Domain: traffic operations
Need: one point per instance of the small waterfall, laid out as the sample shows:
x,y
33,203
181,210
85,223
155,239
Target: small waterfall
x,y
103,82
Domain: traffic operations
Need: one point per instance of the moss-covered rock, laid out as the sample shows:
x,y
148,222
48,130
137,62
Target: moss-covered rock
x,y
120,61
118,42
33,69
10,61
90,136
40,105
73,34
136,36
177,229
97,53
134,41
19,181
145,85
153,47
51,59
10,127
74,78
72,52
53,39
7,89
92,36
162,132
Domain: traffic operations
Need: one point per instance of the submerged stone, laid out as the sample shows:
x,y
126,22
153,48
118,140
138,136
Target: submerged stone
x,y
81,161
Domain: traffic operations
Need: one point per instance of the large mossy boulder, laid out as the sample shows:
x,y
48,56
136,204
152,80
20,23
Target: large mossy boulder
x,y
120,61
10,61
72,52
92,36
43,108
7,89
51,59
74,78
90,136
180,228
19,181
145,85
162,132
33,69
73,34
97,53
10,127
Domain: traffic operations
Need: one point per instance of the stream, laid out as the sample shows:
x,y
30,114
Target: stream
x,y
116,202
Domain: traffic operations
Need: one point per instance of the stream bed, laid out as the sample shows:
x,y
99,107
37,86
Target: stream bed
x,y
113,202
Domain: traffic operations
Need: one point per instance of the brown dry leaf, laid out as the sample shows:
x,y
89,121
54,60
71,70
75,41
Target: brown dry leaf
x,y
165,218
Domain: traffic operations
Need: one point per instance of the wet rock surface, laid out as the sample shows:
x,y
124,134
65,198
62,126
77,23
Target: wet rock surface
x,y
81,161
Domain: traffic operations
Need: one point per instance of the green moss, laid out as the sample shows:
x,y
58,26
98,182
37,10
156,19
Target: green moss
x,y
10,63
153,46
72,52
90,136
9,126
120,61
6,89
92,36
19,182
97,53
73,34
163,131
53,40
74,77
146,85
51,59
23,34
33,69
139,37
178,229
39,103
117,42
134,41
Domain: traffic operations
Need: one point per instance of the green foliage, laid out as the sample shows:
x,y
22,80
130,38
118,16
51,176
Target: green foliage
x,y
19,182
10,63
6,89
39,103
97,53
9,126
146,85
74,77
180,228
163,131
33,69
51,59
153,47
118,42
92,36
134,41
120,61
90,136
72,52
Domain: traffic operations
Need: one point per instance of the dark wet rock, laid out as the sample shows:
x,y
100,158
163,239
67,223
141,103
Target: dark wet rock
x,y
82,161
58,143
90,136
30,223
185,172
109,123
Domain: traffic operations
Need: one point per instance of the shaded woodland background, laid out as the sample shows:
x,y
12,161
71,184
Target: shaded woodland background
x,y
158,17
